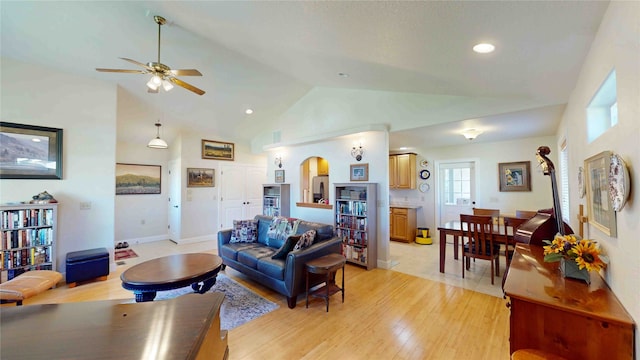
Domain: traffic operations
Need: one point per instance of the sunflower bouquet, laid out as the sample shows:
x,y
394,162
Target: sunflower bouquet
x,y
584,252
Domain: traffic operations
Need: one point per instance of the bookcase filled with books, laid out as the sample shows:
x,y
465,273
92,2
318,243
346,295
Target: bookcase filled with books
x,y
27,238
355,222
275,200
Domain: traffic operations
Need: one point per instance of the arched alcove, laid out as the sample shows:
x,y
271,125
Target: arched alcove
x,y
314,180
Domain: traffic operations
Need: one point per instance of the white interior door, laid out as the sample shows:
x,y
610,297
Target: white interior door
x,y
240,193
256,176
456,193
174,184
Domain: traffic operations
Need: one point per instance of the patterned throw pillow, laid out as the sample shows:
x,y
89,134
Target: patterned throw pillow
x,y
281,228
286,247
244,231
306,240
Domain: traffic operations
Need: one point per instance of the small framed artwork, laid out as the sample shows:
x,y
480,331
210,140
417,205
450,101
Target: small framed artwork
x,y
217,150
134,179
515,176
279,176
359,172
601,213
200,177
30,152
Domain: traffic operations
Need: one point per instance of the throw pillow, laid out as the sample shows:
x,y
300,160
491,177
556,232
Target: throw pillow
x,y
286,247
244,231
306,240
281,228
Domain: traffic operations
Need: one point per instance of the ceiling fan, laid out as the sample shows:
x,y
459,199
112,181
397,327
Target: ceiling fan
x,y
162,74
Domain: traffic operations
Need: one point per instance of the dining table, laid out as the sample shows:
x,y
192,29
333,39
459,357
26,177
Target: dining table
x,y
454,228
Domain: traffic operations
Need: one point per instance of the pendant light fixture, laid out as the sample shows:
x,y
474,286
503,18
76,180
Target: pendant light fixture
x,y
157,143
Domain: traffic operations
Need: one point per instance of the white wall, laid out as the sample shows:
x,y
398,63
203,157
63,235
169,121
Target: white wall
x,y
616,46
337,151
86,111
487,156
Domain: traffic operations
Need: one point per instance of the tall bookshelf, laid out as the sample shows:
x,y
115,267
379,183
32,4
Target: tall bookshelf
x,y
276,200
27,238
355,222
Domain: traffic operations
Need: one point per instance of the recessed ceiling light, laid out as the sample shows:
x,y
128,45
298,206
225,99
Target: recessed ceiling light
x,y
344,75
484,48
403,148
248,111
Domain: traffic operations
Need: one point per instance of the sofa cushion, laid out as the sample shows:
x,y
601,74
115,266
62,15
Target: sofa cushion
x,y
231,250
244,231
306,240
288,245
273,268
250,256
323,231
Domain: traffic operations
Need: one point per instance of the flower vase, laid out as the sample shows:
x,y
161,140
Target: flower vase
x,y
570,269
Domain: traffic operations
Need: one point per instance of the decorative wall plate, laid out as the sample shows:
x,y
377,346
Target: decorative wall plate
x,y
619,182
424,163
581,188
424,187
425,174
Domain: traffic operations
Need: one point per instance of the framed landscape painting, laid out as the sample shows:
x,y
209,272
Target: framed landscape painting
x,y
217,150
515,176
200,177
30,152
601,213
134,179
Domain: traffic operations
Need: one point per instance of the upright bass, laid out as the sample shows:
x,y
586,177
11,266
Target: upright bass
x,y
547,222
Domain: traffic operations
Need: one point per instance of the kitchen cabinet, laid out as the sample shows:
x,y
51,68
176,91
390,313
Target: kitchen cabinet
x,y
402,224
402,171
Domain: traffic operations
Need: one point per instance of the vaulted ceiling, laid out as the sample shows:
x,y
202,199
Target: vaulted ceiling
x,y
269,55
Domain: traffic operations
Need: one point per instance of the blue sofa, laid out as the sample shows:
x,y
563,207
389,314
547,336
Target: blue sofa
x,y
286,276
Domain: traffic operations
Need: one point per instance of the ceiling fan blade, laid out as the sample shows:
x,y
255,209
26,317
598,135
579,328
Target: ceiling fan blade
x,y
122,71
138,63
186,72
186,86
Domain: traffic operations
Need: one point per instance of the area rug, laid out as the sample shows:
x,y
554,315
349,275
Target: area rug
x,y
240,304
122,254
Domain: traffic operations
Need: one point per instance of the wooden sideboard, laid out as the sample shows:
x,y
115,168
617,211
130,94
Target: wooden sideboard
x,y
565,317
187,327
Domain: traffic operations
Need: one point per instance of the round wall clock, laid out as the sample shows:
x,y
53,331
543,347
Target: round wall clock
x,y
425,174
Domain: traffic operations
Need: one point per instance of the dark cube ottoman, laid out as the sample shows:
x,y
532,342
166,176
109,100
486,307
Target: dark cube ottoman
x,y
86,265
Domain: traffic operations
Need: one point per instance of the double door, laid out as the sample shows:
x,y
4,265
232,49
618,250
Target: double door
x,y
240,193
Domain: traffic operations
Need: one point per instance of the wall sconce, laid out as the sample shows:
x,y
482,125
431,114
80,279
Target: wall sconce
x,y
278,160
357,152
471,134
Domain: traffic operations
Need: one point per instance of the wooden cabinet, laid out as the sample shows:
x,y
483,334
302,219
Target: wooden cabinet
x,y
276,200
403,224
402,171
565,317
28,237
323,167
355,222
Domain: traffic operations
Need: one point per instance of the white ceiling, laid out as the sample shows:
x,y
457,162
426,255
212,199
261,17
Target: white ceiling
x,y
267,55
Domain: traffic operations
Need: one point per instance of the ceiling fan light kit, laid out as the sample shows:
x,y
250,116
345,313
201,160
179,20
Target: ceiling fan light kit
x,y
162,75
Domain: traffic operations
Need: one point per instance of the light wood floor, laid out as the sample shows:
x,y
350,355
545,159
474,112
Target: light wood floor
x,y
386,315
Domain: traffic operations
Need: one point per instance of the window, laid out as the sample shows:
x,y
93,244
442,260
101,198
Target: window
x,y
602,112
456,186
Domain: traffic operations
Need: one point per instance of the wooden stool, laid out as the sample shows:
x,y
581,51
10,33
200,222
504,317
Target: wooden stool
x,y
533,354
328,265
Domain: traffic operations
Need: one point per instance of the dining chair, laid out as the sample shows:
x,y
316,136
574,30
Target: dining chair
x,y
477,231
511,224
494,213
525,214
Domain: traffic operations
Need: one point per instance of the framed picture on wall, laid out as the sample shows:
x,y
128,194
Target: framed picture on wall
x,y
515,176
134,179
217,150
197,177
279,177
359,172
601,214
30,152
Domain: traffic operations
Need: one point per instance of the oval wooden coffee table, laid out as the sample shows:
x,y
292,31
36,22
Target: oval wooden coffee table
x,y
172,272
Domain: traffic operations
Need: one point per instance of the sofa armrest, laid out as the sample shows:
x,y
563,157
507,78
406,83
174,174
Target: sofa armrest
x,y
294,273
224,236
